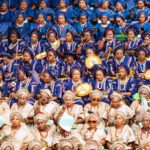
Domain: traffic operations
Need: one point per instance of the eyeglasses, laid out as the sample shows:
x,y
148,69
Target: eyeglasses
x,y
95,99
92,121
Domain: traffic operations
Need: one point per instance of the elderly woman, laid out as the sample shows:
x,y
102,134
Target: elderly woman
x,y
74,110
7,146
23,106
93,132
118,146
17,133
45,104
142,134
115,106
96,106
35,145
120,132
42,131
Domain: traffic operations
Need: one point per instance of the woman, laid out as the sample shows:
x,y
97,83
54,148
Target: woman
x,y
95,106
62,26
45,104
71,109
142,134
146,145
120,131
93,132
66,145
18,134
7,145
115,106
142,63
42,131
52,40
118,146
35,144
124,85
119,59
23,105
136,106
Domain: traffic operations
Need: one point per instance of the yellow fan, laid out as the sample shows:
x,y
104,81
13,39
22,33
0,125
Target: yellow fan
x,y
148,58
40,56
83,89
18,57
147,74
91,61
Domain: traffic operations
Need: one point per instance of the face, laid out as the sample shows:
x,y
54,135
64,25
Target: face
x,y
8,148
69,37
62,4
115,103
69,101
119,120
26,57
34,38
13,38
41,125
89,52
43,99
83,19
131,35
110,35
140,5
95,100
105,5
61,19
82,4
118,148
42,5
122,73
23,6
141,55
15,121
1,76
104,19
99,75
147,40
118,7
36,147
46,78
145,121
50,56
4,7
147,146
144,93
87,36
70,60
40,19
75,2
142,18
76,75
21,75
92,122
20,18
52,37
119,21
22,99
119,54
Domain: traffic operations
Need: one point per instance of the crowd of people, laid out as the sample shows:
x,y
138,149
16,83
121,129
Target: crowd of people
x,y
46,51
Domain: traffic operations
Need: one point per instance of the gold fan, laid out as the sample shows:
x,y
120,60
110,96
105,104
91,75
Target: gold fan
x,y
40,56
148,58
83,89
91,61
147,74
18,57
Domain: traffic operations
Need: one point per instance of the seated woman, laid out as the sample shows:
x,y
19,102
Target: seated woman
x,y
7,145
96,105
18,133
46,105
62,26
142,64
52,40
120,131
49,82
101,82
21,26
119,59
74,110
142,134
142,24
146,38
23,105
107,43
131,43
42,131
116,105
93,132
124,85
71,84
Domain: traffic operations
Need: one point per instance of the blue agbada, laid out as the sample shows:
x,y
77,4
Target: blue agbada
x,y
10,3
